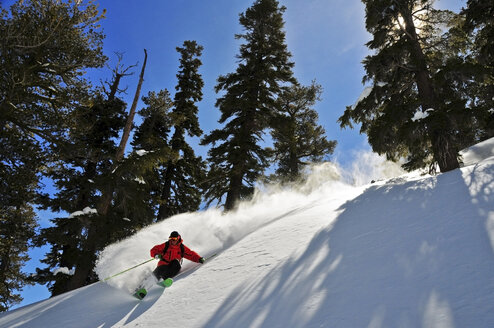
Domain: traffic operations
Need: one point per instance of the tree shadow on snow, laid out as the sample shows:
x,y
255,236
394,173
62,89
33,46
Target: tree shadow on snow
x,y
399,255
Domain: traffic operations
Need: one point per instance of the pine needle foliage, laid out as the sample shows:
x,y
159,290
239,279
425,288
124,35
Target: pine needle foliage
x,y
298,138
247,103
417,107
45,48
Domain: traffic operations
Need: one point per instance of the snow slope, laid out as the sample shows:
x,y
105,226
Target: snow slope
x,y
411,251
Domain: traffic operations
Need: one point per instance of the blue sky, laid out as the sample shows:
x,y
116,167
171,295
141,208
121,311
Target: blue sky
x,y
326,44
326,38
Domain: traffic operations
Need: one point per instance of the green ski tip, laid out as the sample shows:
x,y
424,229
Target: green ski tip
x,y
166,283
141,293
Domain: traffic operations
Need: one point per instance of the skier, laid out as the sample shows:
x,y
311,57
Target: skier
x,y
170,255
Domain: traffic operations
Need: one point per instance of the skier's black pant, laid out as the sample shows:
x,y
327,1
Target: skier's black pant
x,y
167,271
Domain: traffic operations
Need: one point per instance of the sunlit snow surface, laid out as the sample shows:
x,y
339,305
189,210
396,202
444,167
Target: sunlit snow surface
x,y
410,251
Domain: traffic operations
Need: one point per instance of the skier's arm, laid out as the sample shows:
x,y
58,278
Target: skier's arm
x,y
158,249
191,255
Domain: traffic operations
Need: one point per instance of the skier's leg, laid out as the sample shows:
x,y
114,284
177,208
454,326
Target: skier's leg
x,y
173,269
167,271
160,272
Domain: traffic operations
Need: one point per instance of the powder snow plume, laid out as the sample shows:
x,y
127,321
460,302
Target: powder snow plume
x,y
211,230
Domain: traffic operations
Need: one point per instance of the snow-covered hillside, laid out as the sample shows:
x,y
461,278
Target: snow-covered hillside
x,y
411,251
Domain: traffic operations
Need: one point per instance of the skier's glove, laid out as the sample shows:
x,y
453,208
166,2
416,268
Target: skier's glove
x,y
202,260
158,257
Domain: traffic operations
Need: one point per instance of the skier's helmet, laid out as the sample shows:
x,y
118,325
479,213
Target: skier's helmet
x,y
174,234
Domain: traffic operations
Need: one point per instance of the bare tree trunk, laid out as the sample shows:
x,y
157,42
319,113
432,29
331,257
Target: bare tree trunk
x,y
107,195
130,119
114,86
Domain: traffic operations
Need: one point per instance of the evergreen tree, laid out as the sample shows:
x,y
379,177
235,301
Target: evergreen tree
x,y
248,104
180,190
45,46
480,15
79,175
153,133
297,136
17,228
82,174
118,191
152,137
480,24
18,183
415,109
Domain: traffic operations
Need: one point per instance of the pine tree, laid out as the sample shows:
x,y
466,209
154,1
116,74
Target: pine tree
x,y
17,226
480,25
18,184
118,189
480,15
409,71
152,138
249,101
45,46
79,175
298,139
86,171
180,190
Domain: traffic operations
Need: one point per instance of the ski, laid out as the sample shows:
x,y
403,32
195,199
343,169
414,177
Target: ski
x,y
141,291
165,283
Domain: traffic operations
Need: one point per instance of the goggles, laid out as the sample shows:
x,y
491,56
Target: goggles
x,y
174,238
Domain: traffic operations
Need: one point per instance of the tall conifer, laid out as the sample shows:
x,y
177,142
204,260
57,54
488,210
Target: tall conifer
x,y
180,190
480,25
152,138
79,176
414,109
45,46
298,139
18,183
248,103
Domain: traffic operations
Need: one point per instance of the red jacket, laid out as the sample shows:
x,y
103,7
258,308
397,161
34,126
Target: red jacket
x,y
174,252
